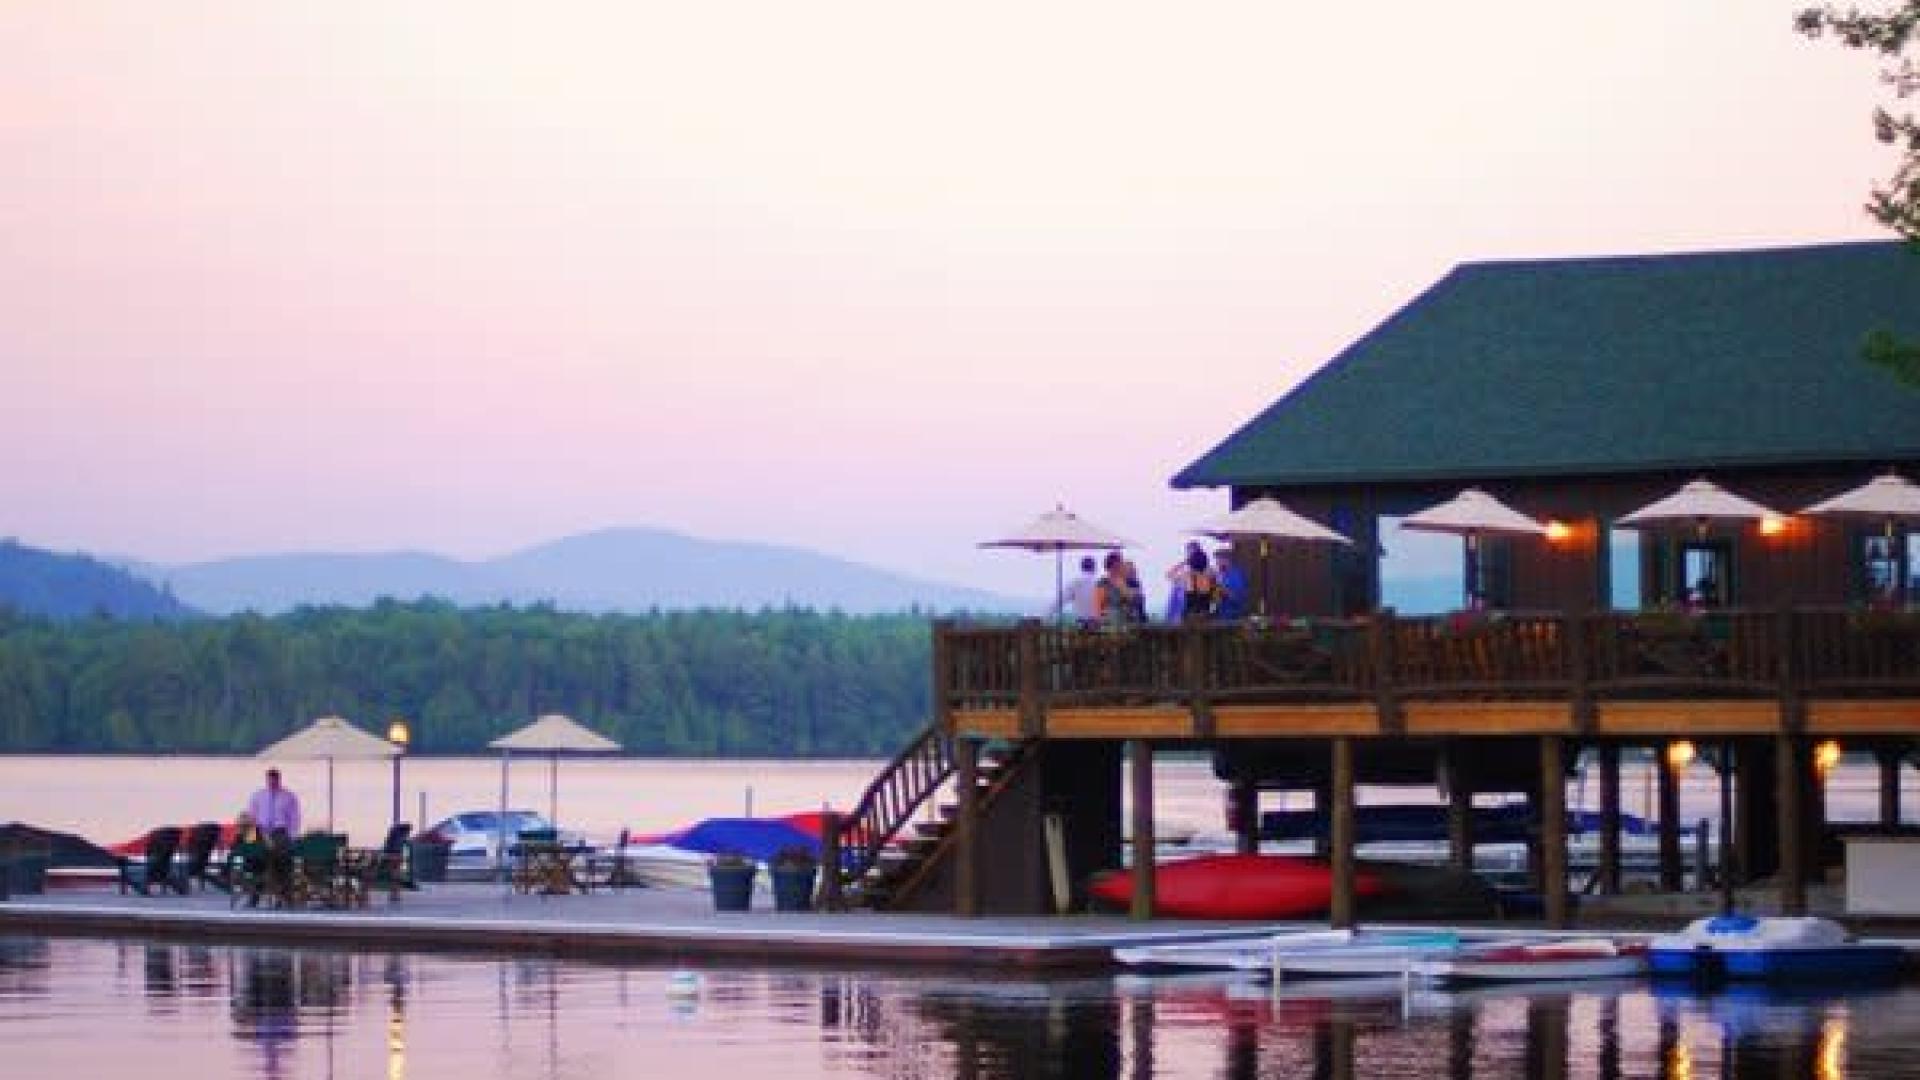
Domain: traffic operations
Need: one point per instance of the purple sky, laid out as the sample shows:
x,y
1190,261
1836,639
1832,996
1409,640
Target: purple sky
x,y
876,279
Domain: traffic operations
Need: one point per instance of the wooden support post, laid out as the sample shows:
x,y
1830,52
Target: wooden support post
x,y
1246,816
1609,879
1341,828
1724,872
1672,871
1140,761
1459,809
1199,678
1579,672
1553,829
942,683
1889,758
966,847
1380,657
830,862
1789,773
1026,651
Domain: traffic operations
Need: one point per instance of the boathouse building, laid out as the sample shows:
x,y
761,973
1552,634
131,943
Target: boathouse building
x,y
1574,391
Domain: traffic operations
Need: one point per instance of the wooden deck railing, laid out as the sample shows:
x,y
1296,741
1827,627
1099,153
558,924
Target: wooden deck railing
x,y
1498,656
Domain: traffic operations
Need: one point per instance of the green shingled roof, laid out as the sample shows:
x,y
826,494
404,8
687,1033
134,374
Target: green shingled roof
x,y
1604,366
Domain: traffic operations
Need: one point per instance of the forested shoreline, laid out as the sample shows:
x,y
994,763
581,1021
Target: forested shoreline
x,y
790,683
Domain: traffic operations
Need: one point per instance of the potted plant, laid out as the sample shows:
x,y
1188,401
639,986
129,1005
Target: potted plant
x,y
794,872
731,875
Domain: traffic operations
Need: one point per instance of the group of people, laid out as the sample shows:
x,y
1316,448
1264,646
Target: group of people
x,y
1199,587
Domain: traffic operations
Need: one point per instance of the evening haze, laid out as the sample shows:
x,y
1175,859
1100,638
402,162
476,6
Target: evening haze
x,y
882,280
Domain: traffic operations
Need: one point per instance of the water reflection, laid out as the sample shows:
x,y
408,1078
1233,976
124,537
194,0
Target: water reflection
x,y
89,1007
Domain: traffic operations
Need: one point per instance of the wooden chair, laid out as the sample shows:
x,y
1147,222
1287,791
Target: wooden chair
x,y
194,868
155,866
597,871
247,871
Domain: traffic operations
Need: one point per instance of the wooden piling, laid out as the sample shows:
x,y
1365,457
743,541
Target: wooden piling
x,y
1140,761
966,877
1341,909
1609,877
1789,789
1672,871
1553,829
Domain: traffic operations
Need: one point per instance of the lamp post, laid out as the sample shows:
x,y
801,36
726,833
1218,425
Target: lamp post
x,y
399,736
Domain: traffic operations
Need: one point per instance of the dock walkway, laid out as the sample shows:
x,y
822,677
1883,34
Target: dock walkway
x,y
662,924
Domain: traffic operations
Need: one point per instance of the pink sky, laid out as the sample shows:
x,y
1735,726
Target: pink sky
x,y
871,278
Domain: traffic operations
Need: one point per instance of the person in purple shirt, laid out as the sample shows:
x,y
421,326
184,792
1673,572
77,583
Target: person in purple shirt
x,y
274,808
275,811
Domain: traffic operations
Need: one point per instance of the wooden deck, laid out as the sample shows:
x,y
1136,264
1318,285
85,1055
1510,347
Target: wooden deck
x,y
1827,672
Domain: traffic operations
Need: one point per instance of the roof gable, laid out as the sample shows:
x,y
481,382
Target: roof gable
x,y
1604,366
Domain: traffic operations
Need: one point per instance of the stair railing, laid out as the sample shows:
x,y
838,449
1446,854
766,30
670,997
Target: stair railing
x,y
888,804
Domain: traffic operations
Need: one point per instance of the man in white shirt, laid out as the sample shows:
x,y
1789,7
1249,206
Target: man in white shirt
x,y
1081,597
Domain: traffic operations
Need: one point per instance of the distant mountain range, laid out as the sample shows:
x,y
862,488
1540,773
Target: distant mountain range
x,y
626,570
63,586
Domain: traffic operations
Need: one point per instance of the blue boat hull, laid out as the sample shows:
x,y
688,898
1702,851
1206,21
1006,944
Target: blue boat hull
x,y
1840,963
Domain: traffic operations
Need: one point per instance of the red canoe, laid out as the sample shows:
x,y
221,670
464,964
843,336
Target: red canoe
x,y
1237,887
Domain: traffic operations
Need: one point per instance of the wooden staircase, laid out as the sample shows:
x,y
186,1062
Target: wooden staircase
x,y
875,872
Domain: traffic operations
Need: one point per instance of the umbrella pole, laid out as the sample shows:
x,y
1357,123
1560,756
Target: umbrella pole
x,y
1059,584
500,827
553,788
1266,577
329,794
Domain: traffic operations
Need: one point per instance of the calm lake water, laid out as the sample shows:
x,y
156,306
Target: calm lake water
x,y
72,1007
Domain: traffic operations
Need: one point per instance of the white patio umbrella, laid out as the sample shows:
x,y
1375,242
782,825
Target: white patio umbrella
x,y
1699,503
1472,514
1891,498
1266,520
1059,530
553,735
330,737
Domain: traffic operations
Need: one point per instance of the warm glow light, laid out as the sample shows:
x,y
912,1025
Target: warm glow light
x,y
397,733
1830,1053
1826,756
1558,531
1772,526
1680,755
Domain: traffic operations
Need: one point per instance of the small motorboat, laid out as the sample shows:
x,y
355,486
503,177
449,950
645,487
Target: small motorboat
x,y
1535,961
1779,949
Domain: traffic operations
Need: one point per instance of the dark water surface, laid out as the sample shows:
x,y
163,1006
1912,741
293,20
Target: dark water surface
x,y
74,1007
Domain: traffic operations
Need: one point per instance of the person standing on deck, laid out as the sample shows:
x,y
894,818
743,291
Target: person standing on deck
x,y
1081,598
1177,583
1115,596
275,811
1232,582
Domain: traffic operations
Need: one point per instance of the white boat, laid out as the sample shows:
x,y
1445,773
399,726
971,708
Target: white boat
x,y
1221,953
1535,961
663,866
1370,954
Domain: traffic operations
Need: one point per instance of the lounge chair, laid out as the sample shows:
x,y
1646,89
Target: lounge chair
x,y
155,867
196,855
390,869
